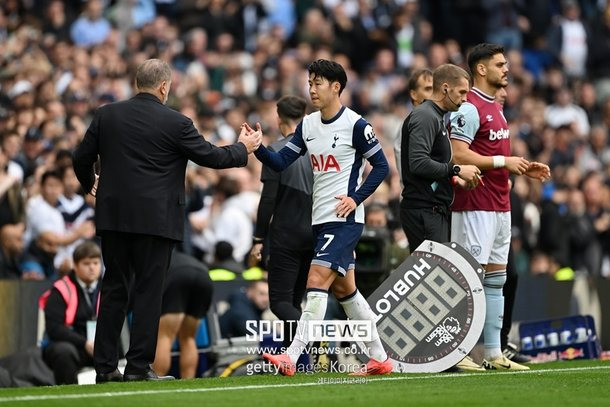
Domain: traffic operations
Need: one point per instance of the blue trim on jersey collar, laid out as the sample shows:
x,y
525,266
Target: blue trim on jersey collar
x,y
335,117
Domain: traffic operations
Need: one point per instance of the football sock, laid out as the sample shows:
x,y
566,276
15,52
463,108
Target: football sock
x,y
492,285
315,308
356,307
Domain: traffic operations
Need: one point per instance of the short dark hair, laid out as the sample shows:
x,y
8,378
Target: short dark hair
x,y
227,186
291,108
482,52
330,70
412,84
223,250
151,73
448,73
50,174
86,250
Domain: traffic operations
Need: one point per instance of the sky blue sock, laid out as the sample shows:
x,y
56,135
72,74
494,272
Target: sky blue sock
x,y
492,284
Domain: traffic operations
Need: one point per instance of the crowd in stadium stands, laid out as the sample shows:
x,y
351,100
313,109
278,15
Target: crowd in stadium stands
x,y
232,60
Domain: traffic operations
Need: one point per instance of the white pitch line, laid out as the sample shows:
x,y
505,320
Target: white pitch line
x,y
271,386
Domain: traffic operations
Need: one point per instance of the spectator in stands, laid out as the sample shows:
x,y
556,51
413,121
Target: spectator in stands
x,y
597,211
244,306
42,215
70,306
186,299
30,157
504,23
91,28
554,225
564,112
38,261
225,267
227,220
568,40
56,21
11,146
11,250
11,202
74,210
585,248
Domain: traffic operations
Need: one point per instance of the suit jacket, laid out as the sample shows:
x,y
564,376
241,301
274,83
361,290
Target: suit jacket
x,y
144,147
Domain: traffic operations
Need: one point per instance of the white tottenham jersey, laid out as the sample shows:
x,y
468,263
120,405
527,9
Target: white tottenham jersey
x,y
337,149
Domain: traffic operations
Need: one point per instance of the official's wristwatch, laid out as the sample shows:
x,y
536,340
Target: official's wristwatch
x,y
456,169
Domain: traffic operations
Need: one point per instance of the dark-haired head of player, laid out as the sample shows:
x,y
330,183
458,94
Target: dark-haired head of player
x,y
420,86
488,67
290,111
327,79
450,85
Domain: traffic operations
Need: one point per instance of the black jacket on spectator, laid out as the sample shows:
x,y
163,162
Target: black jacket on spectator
x,y
141,187
65,354
10,267
55,318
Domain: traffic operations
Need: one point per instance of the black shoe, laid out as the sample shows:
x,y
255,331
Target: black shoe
x,y
114,376
149,375
511,353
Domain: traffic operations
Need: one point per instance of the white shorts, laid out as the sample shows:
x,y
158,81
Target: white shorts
x,y
486,235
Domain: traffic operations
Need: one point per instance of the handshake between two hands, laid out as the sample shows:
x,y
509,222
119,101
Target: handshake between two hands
x,y
251,138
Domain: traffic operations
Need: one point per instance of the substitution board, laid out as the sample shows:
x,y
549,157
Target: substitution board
x,y
430,311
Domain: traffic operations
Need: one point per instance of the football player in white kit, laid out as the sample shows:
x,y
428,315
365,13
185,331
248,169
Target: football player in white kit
x,y
338,140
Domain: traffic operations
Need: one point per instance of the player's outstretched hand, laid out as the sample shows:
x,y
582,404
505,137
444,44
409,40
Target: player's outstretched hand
x,y
516,165
252,139
538,171
345,206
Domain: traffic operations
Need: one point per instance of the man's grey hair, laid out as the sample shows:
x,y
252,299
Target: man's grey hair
x,y
151,73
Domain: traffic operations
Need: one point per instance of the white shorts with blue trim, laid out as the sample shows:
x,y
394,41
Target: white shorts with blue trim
x,y
485,234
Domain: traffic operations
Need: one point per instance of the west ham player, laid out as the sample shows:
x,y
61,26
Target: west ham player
x,y
481,217
337,140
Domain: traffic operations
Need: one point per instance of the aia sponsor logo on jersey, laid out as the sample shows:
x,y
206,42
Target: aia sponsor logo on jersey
x,y
324,163
498,135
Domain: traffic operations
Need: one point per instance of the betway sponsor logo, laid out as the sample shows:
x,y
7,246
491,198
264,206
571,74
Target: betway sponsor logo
x,y
498,135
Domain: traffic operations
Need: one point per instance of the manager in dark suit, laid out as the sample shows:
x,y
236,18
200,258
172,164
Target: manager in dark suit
x,y
143,148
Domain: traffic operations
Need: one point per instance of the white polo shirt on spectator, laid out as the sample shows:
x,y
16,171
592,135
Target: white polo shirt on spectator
x,y
42,217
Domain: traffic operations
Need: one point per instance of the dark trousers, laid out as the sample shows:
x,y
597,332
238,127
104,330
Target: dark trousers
x,y
143,259
509,291
65,360
425,224
288,270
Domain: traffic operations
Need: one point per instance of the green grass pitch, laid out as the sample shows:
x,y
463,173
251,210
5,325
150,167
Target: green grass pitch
x,y
575,383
